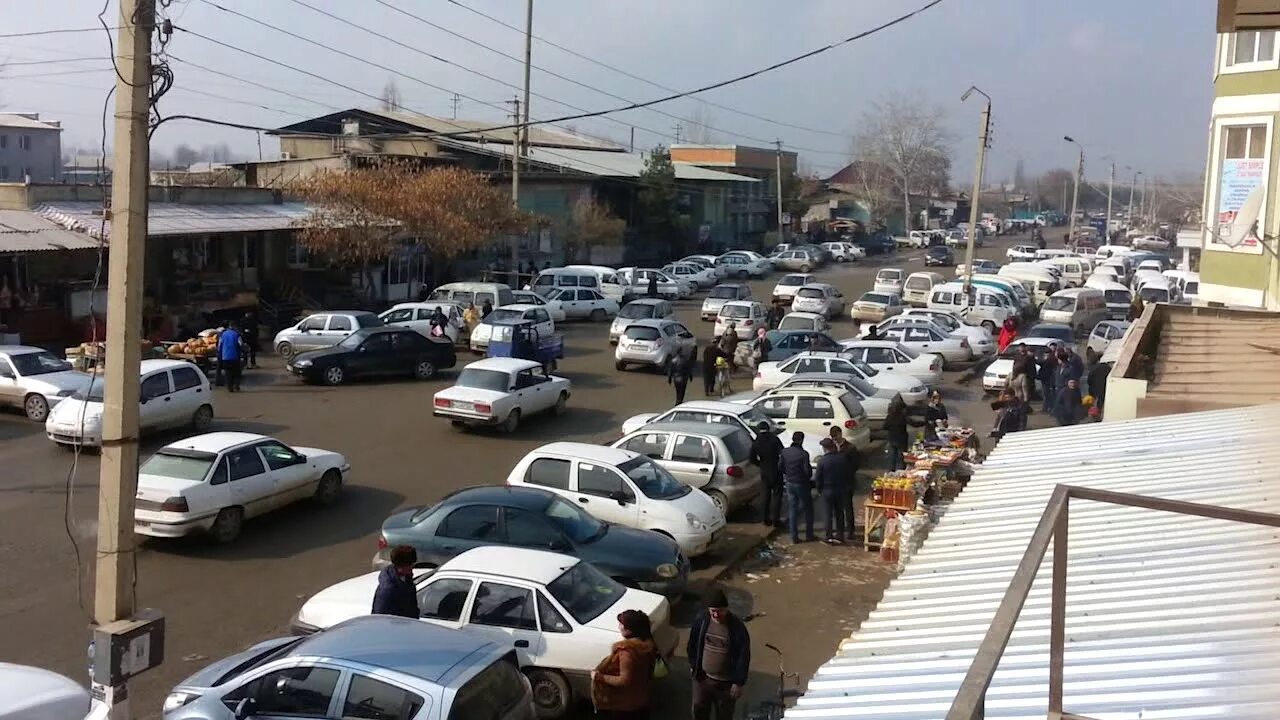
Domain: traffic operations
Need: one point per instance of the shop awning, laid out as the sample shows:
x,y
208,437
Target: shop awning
x,y
164,219
26,231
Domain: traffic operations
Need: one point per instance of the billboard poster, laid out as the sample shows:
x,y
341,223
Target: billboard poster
x,y
1238,178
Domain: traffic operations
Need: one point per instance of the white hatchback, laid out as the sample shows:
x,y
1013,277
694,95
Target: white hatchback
x,y
890,356
889,281
539,316
745,315
174,394
789,284
819,298
652,342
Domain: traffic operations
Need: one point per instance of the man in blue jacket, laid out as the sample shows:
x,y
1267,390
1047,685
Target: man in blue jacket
x,y
229,356
396,594
719,652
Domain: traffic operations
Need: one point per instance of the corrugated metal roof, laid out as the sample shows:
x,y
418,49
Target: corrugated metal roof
x,y
1216,355
26,122
1168,616
596,162
25,231
182,218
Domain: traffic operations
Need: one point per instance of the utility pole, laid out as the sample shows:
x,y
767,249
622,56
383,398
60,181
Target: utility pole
x,y
633,139
1075,192
528,59
679,133
113,594
778,188
1111,184
984,134
1132,187
1142,205
455,102
515,190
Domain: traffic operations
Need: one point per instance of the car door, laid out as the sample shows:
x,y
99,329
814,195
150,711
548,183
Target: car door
x,y
444,600
10,390
252,487
369,698
691,459
338,328
810,365
292,476
776,408
922,339
309,334
505,613
188,393
567,299
464,528
543,319
305,690
372,357
602,492
652,445
532,391
882,358
156,406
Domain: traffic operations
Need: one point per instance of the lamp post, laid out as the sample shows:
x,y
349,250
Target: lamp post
x,y
1075,193
984,134
1132,187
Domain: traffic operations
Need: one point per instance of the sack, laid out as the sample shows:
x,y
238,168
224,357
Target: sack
x,y
660,669
436,331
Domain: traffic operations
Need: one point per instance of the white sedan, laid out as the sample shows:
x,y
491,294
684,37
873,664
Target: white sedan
x,y
417,316
174,393
979,339
788,284
213,482
536,314
773,374
804,321
819,298
996,377
583,303
890,356
688,272
925,339
496,593
502,392
1021,253
529,297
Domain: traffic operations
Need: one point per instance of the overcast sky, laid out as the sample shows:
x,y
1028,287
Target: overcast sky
x,y
1130,79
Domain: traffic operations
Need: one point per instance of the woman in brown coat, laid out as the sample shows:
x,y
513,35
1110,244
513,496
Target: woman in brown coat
x,y
620,683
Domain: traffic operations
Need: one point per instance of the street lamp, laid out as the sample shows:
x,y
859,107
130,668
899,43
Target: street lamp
x,y
1075,193
983,139
1129,221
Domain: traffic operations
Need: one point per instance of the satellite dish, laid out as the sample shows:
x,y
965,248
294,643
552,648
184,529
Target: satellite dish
x,y
1246,218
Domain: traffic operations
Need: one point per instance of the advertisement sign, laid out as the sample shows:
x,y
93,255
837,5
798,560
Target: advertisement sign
x,y
1238,178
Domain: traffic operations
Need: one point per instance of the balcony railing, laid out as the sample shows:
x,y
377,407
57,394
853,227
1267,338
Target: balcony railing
x,y
971,697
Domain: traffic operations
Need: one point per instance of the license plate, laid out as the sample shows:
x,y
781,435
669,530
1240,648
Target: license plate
x,y
637,347
456,405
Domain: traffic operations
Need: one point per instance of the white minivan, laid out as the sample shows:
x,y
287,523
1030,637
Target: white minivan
x,y
984,306
552,279
1040,283
1117,297
1074,270
610,285
1081,308
917,286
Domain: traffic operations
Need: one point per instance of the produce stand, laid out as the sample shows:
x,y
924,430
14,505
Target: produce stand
x,y
89,355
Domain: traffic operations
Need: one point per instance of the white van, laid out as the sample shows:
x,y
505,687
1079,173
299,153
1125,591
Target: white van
x,y
1081,308
462,293
1156,290
611,286
984,306
1013,289
1074,270
1040,283
1117,297
915,289
1048,253
1187,283
552,279
1110,251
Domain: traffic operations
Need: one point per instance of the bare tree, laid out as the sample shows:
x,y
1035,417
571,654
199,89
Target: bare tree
x,y
390,97
904,140
1019,176
184,155
699,128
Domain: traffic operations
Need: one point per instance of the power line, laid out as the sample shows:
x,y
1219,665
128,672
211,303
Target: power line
x,y
52,32
57,60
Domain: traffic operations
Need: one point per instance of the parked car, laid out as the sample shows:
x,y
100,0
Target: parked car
x,y
980,267
417,316
844,251
890,356
501,392
696,274
813,322
474,293
875,400
980,341
876,307
529,297
33,693
790,342
917,287
742,266
625,488
174,393
375,352
1058,331
745,315
721,294
709,262
773,374
212,483
815,410
939,255
321,330
1150,242
636,281
924,339
642,309
535,314
374,666
1021,253
715,458
532,517
652,342
996,377
798,260
703,411
583,304
788,284
820,298
889,281
1103,335
36,380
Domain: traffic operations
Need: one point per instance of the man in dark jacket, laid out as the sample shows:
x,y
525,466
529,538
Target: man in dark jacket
x,y
680,370
719,652
653,286
1098,383
896,421
855,464
1048,374
709,368
250,335
796,473
396,594
832,481
1068,409
766,451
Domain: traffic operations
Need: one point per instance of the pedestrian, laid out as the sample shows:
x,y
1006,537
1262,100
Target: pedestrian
x,y
653,286
1068,408
719,652
776,312
935,416
896,421
251,338
854,464
729,344
485,308
873,334
1074,363
1098,375
1008,333
1048,374
831,478
760,347
709,358
796,474
766,452
723,376
1018,374
1011,414
229,357
620,683
679,370
438,322
396,593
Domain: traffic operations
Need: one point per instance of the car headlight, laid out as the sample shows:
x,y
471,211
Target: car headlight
x,y
302,363
177,700
64,393
694,522
667,570
917,388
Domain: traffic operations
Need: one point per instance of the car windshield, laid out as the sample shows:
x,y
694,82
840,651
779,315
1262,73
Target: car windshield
x,y
752,417
874,298
1060,303
811,293
1117,297
792,280
1154,294
574,523
1052,331
889,276
502,314
796,322
352,341
944,322
93,394
636,311
736,311
865,369
369,320
653,480
585,592
38,363
1192,288
482,379
180,465
723,292
641,332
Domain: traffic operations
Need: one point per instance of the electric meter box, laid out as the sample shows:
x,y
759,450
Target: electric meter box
x,y
126,648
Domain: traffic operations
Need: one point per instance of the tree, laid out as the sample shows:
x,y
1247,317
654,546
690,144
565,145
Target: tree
x,y
908,143
659,220
699,126
390,97
1055,188
184,155
590,223
1019,176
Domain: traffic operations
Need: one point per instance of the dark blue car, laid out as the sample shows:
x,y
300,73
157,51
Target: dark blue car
x,y
791,342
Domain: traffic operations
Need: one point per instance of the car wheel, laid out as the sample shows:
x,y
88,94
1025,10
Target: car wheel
x,y
551,694
226,527
334,375
424,370
720,500
329,487
805,268
202,418
743,275
598,315
990,326
619,365
512,422
37,407
285,350
562,402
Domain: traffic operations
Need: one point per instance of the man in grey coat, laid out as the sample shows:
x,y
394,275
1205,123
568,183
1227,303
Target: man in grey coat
x,y
832,480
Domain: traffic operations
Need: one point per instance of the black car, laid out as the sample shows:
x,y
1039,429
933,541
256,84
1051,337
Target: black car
x,y
939,255
373,352
791,342
1055,331
533,518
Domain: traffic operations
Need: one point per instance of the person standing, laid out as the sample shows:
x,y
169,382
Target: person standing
x,y
766,452
896,421
761,347
1018,374
1067,409
620,683
438,322
1098,375
709,357
653,286
1008,333
854,464
729,345
229,356
832,481
935,416
251,338
1048,373
724,372
1011,414
485,308
797,472
719,652
679,370
873,333
396,593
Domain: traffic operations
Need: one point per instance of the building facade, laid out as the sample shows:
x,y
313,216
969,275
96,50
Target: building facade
x,y
750,208
30,148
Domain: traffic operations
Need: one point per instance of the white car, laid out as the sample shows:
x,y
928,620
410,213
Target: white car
x,y
559,614
889,281
744,416
583,303
979,338
844,251
819,298
745,315
539,316
709,262
214,482
417,316
652,342
174,393
696,274
743,264
924,339
916,239
721,294
529,297
996,377
1021,253
642,309
815,410
502,392
875,401
773,374
1103,335
890,356
788,284
876,307
636,281
36,380
625,488
804,321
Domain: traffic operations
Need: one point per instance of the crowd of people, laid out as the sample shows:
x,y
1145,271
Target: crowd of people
x,y
1061,375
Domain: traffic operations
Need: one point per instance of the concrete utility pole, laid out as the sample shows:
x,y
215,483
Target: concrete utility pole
x,y
455,102
778,187
984,133
528,59
515,191
1142,205
113,595
1075,192
1132,187
1111,184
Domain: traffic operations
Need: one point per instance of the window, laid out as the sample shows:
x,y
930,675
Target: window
x,y
24,143
155,386
491,694
548,472
692,450
544,281
814,408
918,334
313,323
550,618
300,691
404,315
445,599
648,444
586,294
599,480
340,322
529,529
943,298
504,606
375,343
278,456
1245,142
296,254
219,475
776,407
474,522
1251,50
245,463
881,356
369,699
811,365
988,301
529,378
184,378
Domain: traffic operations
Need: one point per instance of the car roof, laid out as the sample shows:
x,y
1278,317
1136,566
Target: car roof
x,y
147,366
586,451
746,303
518,306
859,342
1051,326
503,364
801,314
646,301
807,390
651,322
429,304
711,405
527,498
342,312
816,285
20,349
216,442
1042,341
731,285
403,645
719,430
540,566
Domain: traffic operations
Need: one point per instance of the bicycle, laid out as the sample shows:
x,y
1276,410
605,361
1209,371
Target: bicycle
x,y
773,709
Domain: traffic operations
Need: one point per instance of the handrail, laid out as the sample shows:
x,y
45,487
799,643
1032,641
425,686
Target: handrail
x,y
971,696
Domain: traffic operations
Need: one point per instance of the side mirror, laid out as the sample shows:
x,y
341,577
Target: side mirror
x,y
558,545
244,708
620,496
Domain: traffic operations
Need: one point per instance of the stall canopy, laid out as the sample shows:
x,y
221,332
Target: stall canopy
x,y
1167,616
182,218
25,231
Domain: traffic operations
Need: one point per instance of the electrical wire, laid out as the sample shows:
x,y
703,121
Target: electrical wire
x,y
54,32
53,61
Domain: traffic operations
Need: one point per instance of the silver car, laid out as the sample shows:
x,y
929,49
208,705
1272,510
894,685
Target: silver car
x,y
373,666
713,457
721,294
642,309
35,380
321,330
652,342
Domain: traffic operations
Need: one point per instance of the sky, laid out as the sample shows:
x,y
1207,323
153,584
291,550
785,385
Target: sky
x,y
1131,80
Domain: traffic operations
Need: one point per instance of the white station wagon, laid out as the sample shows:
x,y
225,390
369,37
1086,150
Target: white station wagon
x,y
213,482
174,393
501,391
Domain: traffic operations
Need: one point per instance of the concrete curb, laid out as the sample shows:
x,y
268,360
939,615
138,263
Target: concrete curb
x,y
739,542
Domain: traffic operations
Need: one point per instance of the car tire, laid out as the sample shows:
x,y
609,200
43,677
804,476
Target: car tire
x,y
720,501
285,350
805,268
226,527
619,365
424,370
562,403
512,422
334,375
202,418
36,407
329,487
743,275
552,697
598,315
